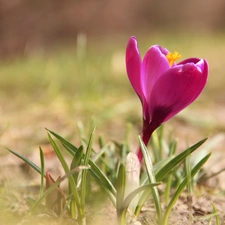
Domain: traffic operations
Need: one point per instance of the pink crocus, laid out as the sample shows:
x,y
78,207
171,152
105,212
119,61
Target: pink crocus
x,y
164,87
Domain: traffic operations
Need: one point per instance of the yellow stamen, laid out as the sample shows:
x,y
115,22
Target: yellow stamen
x,y
172,57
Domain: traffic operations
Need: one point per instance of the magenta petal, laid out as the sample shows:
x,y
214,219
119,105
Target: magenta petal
x,y
155,64
204,67
164,90
175,90
133,65
189,60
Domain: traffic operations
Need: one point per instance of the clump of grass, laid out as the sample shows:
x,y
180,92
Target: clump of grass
x,y
106,166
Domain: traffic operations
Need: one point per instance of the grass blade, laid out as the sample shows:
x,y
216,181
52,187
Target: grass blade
x,y
152,179
216,214
132,195
71,180
95,171
100,152
175,161
127,201
70,147
103,181
76,162
42,171
120,187
142,200
181,188
31,164
84,172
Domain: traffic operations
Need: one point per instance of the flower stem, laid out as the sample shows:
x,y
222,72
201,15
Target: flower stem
x,y
147,131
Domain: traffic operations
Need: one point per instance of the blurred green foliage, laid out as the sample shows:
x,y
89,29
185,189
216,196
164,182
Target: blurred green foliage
x,y
94,84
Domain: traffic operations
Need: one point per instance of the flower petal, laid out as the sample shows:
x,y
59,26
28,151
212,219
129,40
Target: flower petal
x,y
203,65
133,65
176,89
155,64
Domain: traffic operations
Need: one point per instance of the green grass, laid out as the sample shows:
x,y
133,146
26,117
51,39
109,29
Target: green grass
x,y
56,89
61,72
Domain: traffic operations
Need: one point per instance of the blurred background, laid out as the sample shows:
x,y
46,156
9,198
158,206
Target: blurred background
x,y
62,62
41,25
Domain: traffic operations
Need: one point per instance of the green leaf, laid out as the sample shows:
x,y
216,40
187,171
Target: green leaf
x,y
159,165
207,217
30,201
175,161
71,180
42,171
172,147
157,143
103,181
181,187
216,214
120,186
34,166
100,152
152,179
143,198
95,171
70,147
101,142
133,194
76,161
84,172
59,154
129,198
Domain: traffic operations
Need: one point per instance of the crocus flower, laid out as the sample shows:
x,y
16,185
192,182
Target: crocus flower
x,y
164,87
